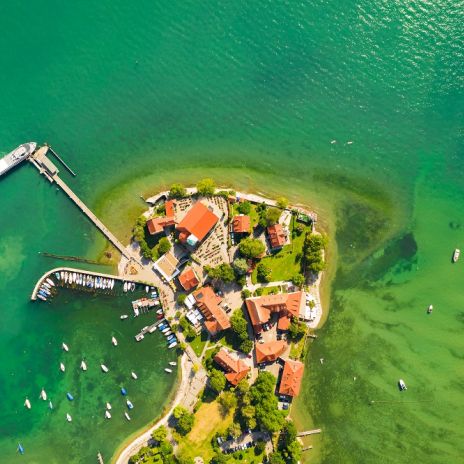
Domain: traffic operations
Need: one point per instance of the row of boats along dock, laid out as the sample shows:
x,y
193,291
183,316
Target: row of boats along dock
x,y
77,279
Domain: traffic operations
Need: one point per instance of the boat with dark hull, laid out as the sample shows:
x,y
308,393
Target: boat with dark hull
x,y
16,156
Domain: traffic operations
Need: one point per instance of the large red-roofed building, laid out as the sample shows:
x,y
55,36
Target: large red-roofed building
x,y
241,224
277,236
235,368
196,224
269,352
292,375
188,279
208,302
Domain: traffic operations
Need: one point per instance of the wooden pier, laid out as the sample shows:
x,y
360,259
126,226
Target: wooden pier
x,y
40,160
53,152
308,432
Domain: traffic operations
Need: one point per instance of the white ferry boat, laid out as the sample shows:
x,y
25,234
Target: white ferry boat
x,y
16,156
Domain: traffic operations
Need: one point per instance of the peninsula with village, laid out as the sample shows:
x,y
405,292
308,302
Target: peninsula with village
x,y
234,282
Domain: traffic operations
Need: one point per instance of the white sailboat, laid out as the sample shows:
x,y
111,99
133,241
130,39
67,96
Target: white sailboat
x,y
68,417
123,316
27,403
108,406
114,341
107,414
172,363
43,395
104,368
62,367
83,365
169,371
134,375
65,347
127,416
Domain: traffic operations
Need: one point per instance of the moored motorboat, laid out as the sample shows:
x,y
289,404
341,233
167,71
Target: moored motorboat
x,y
123,316
456,255
430,309
139,337
69,396
50,404
147,288
62,275
132,286
169,371
50,281
27,403
41,297
134,375
107,414
172,345
108,405
114,341
43,395
123,391
124,287
172,363
129,404
20,448
65,347
62,367
402,386
68,417
127,416
104,368
83,365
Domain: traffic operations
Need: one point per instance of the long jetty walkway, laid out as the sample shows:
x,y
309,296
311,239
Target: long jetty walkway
x,y
40,160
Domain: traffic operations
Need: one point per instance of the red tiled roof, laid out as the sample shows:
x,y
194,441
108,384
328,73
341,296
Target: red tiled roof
x,y
235,369
260,309
208,303
157,224
276,236
268,352
241,224
169,207
188,279
198,221
291,378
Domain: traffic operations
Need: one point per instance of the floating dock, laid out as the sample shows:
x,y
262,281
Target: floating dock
x,y
308,432
40,160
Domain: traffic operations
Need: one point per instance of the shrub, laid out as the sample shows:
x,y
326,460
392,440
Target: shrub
x,y
206,187
251,247
180,300
164,245
177,191
244,207
217,380
263,273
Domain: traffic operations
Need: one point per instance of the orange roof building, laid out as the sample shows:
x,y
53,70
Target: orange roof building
x,y
277,236
241,224
158,224
169,208
269,352
197,223
235,368
292,375
208,302
286,305
188,279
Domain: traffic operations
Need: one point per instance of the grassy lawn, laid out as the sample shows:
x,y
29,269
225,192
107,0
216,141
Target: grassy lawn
x,y
198,343
208,421
287,262
248,456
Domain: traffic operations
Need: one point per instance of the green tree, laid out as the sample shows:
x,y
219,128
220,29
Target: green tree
x,y
185,423
177,191
206,187
234,430
217,380
244,207
289,434
181,298
313,247
222,272
298,280
220,458
181,459
282,202
276,458
239,324
296,329
272,216
179,411
160,434
228,401
164,245
165,448
246,346
246,293
240,266
293,452
263,273
260,447
251,247
243,387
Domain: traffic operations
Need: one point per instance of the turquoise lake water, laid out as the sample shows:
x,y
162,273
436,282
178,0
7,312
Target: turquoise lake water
x,y
135,96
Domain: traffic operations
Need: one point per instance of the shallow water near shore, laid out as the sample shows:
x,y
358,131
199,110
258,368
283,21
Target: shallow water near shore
x,y
136,97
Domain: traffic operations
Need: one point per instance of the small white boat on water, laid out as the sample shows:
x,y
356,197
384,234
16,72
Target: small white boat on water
x,y
107,414
62,367
132,287
104,368
108,406
41,297
172,363
129,404
43,395
134,375
68,417
83,365
50,404
127,416
27,403
50,281
139,337
124,287
123,316
147,288
65,347
114,341
456,255
402,386
430,309
169,371
62,275
172,345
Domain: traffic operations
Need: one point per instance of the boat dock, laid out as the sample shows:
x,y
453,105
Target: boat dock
x,y
308,432
53,152
40,160
50,274
148,329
